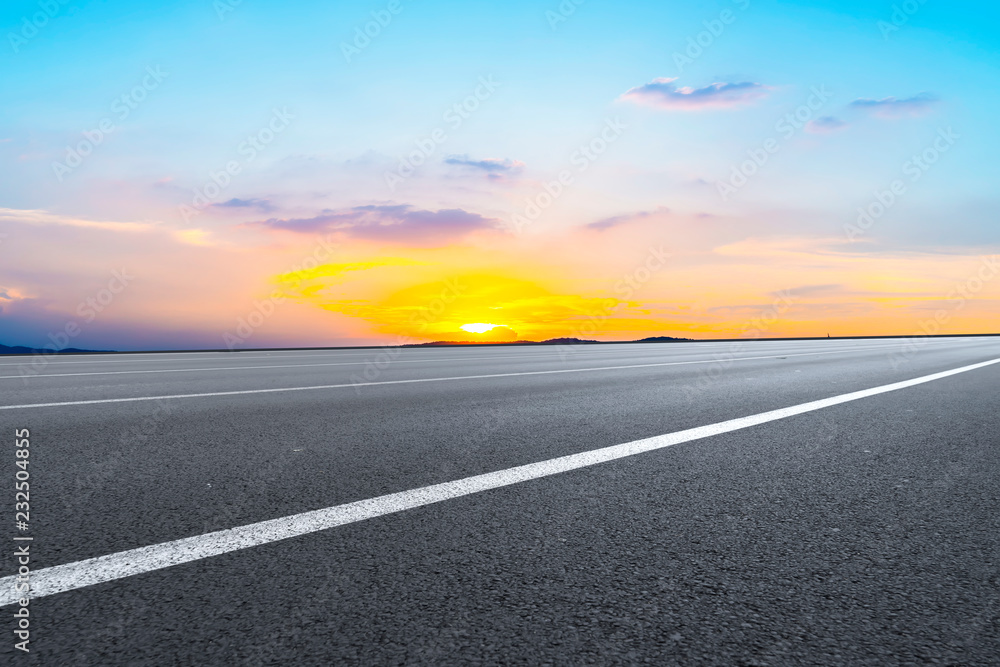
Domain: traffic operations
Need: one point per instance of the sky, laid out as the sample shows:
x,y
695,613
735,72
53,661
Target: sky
x,y
251,173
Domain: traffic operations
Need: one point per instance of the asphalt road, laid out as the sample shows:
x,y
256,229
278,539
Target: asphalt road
x,y
863,533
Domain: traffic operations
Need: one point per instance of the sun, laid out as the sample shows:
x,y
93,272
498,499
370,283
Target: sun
x,y
478,327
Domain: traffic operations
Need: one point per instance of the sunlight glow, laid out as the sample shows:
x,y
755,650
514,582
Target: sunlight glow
x,y
478,328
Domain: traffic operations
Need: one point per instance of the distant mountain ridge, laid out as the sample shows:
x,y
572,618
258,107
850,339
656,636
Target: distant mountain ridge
x,y
660,339
550,341
20,349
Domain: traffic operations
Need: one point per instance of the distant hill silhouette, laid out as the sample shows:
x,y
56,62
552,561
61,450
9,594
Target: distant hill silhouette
x,y
20,349
660,339
444,343
550,341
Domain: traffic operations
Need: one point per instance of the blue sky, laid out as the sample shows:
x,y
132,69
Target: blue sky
x,y
227,68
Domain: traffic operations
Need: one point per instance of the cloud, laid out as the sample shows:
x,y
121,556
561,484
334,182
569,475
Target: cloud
x,y
399,223
608,223
368,158
40,217
496,169
891,107
810,290
193,237
825,125
663,94
490,164
336,270
235,202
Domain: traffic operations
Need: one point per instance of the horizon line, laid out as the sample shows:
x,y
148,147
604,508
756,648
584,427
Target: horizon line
x,y
436,344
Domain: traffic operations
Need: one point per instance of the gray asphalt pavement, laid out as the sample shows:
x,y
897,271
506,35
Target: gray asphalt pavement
x,y
866,533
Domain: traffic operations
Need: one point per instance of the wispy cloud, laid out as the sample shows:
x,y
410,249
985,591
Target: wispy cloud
x,y
811,290
892,107
42,218
235,202
491,164
663,94
337,270
825,125
608,223
496,169
400,223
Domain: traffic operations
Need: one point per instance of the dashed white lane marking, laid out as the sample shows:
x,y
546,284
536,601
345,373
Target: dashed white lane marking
x,y
243,392
68,577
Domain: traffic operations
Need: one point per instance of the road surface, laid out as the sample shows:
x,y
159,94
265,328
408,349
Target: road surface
x,y
764,503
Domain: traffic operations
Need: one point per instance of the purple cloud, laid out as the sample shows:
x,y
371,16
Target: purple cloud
x,y
399,223
825,125
260,204
891,107
663,94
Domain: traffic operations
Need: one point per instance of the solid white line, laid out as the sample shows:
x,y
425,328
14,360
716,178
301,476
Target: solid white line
x,y
246,368
498,358
277,357
62,578
244,392
174,357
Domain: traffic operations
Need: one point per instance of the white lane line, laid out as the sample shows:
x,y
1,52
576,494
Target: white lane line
x,y
499,358
62,578
279,355
247,368
244,392
177,357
